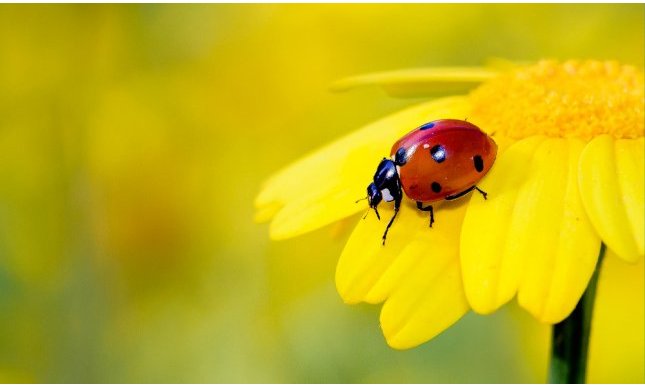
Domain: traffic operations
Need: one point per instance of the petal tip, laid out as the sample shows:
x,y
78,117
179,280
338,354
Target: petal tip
x,y
394,343
281,230
482,308
265,213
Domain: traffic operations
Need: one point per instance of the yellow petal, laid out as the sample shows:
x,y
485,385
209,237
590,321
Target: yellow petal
x,y
564,247
612,189
532,234
428,302
630,168
490,276
418,269
364,259
420,82
322,187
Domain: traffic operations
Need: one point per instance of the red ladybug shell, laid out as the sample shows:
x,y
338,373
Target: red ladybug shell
x,y
443,158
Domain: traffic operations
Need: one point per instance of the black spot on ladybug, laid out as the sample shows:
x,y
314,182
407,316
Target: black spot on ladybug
x,y
479,163
401,156
438,153
427,126
436,187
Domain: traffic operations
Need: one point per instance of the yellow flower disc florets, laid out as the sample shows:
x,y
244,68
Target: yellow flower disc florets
x,y
570,99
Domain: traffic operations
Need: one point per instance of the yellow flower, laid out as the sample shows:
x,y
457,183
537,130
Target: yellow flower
x,y
569,175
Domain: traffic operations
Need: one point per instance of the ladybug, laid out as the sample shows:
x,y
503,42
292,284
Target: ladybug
x,y
440,160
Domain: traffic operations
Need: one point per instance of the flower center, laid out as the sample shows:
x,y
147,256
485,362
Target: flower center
x,y
570,99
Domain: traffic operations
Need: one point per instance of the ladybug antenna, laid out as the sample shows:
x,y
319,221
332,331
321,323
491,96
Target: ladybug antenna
x,y
366,213
365,198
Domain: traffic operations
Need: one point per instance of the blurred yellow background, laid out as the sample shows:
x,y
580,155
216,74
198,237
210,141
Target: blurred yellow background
x,y
133,139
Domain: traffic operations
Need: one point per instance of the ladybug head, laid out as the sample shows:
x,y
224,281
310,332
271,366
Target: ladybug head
x,y
386,185
374,197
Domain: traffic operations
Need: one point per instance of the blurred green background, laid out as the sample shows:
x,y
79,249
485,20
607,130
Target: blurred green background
x,y
133,139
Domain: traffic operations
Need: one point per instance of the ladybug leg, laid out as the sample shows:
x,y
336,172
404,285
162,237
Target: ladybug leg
x,y
484,194
397,204
428,208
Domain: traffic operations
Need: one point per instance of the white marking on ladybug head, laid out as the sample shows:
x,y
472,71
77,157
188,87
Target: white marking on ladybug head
x,y
387,196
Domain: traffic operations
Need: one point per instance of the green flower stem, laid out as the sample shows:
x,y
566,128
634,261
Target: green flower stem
x,y
570,340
